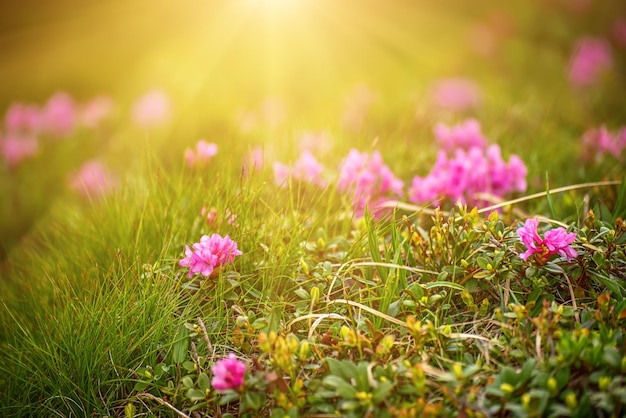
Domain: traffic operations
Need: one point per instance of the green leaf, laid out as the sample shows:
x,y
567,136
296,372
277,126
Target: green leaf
x,y
483,263
141,386
381,392
181,345
342,388
204,382
195,394
187,381
302,293
254,400
450,285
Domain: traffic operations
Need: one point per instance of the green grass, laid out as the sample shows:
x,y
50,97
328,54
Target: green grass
x,y
422,313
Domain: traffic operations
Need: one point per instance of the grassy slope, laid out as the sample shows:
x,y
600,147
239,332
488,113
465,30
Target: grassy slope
x,y
93,292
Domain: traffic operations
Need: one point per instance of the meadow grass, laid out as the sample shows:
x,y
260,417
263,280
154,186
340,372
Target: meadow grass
x,y
421,311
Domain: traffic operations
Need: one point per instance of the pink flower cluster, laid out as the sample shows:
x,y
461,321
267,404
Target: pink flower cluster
x,y
368,180
228,374
202,154
468,172
598,142
306,169
465,135
555,241
92,180
24,123
591,58
456,94
209,254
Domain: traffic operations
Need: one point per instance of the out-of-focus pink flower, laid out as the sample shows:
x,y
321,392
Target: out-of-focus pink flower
x,y
210,253
465,135
591,58
209,214
306,169
152,109
368,180
556,241
467,174
203,153
59,115
95,111
597,142
23,118
92,180
14,148
456,94
228,373
253,161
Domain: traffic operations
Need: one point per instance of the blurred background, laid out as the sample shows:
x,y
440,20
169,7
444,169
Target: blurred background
x,y
248,72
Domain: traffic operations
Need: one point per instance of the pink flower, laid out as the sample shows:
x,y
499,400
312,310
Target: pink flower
x,y
92,180
203,153
59,115
456,94
95,111
591,58
209,254
556,241
306,169
209,214
15,148
228,373
152,109
597,142
368,180
468,173
464,135
23,118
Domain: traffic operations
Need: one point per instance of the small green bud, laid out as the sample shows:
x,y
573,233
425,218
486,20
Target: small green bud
x,y
571,401
507,388
604,383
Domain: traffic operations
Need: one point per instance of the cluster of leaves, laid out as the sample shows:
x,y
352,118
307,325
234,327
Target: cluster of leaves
x,y
439,315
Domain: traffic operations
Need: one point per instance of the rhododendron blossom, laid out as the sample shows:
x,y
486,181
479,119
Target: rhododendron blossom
x,y
306,169
203,153
211,252
368,180
228,373
456,94
555,241
467,174
465,135
591,58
